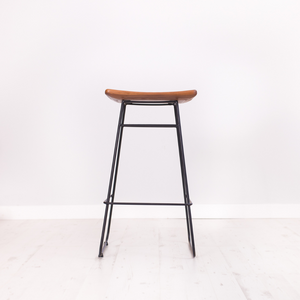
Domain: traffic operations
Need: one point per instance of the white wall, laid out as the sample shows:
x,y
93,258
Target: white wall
x,y
57,128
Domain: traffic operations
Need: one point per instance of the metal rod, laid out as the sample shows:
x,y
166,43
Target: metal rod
x,y
148,203
184,180
122,110
182,168
149,125
149,103
115,173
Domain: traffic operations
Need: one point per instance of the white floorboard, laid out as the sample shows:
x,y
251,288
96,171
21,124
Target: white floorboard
x,y
247,259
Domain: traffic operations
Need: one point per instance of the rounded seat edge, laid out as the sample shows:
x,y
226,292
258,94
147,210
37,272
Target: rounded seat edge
x,y
180,96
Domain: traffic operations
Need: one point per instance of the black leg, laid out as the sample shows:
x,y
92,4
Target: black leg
x,y
112,181
115,176
184,180
114,171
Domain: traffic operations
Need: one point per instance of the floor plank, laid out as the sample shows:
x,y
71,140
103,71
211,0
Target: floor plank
x,y
236,259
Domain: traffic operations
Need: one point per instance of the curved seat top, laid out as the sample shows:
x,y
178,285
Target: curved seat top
x,y
181,97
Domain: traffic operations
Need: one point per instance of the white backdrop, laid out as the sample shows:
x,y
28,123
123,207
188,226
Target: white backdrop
x,y
57,128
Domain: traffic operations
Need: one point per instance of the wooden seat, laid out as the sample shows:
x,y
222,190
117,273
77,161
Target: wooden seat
x,y
181,97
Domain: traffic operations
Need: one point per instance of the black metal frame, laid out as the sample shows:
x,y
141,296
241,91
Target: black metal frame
x,y
109,202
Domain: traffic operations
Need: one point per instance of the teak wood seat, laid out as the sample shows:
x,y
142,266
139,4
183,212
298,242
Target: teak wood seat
x,y
181,97
127,98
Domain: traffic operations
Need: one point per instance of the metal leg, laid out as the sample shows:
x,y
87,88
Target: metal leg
x,y
113,180
114,172
184,180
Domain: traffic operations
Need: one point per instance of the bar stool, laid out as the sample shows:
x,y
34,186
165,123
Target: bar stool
x,y
154,99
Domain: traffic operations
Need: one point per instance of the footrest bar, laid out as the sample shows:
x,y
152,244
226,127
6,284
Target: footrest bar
x,y
146,203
